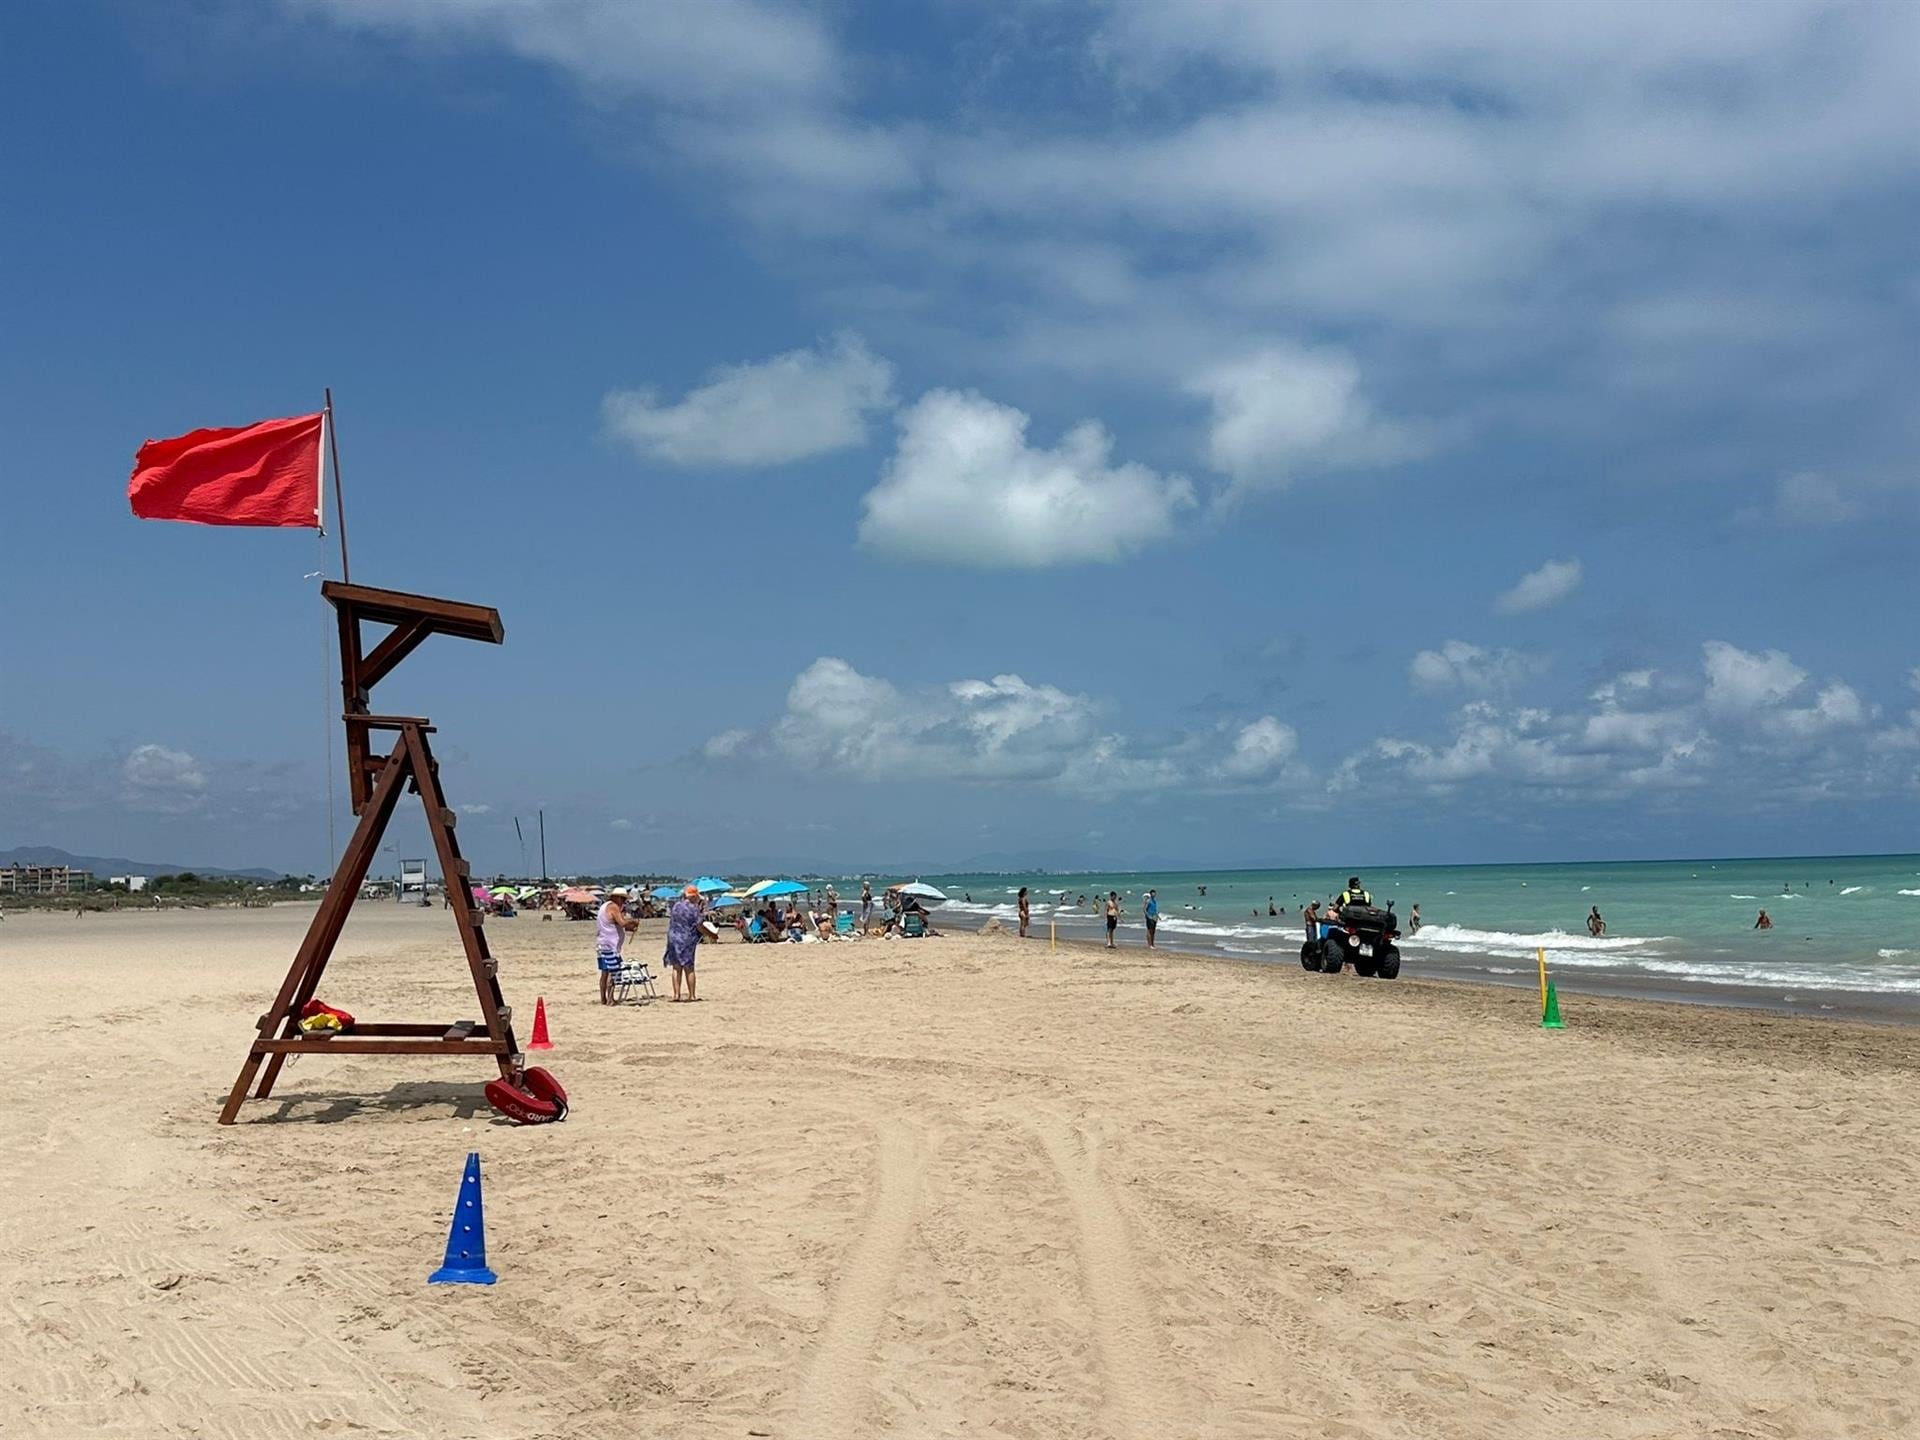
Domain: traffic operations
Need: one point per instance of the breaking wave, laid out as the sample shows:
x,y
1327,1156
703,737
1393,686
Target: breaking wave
x,y
1463,940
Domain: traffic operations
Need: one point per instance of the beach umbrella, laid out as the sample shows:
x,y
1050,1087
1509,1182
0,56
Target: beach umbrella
x,y
577,896
482,894
665,892
707,885
773,889
922,892
722,902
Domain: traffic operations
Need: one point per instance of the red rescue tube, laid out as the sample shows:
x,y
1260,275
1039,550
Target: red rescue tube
x,y
521,1106
541,1084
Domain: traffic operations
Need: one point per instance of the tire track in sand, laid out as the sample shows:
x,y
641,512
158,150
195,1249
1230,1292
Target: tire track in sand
x,y
1122,1328
836,1392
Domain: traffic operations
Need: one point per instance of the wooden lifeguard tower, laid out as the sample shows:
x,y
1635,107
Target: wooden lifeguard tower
x,y
375,782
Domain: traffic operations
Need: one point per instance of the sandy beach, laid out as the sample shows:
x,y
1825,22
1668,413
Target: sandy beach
x,y
957,1186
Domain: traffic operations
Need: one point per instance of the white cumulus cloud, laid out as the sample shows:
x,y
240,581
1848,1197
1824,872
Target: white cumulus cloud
x,y
1457,665
1003,730
1260,750
1750,722
157,767
768,412
687,52
1810,498
1549,585
1285,408
169,781
964,486
1741,681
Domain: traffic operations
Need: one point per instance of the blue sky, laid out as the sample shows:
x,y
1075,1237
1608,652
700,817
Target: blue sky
x,y
1181,431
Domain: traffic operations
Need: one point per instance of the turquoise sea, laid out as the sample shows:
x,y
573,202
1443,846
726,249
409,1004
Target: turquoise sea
x,y
1844,925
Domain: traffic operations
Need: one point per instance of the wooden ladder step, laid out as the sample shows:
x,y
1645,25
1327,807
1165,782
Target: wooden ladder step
x,y
461,1029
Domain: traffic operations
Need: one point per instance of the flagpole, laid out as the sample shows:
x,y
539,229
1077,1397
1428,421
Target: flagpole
x,y
320,482
339,501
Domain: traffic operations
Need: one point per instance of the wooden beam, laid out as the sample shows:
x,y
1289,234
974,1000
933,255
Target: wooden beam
x,y
404,640
399,607
376,1045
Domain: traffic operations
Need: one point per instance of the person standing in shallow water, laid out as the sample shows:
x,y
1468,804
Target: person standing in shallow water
x,y
1113,917
1150,912
1026,912
866,906
1596,927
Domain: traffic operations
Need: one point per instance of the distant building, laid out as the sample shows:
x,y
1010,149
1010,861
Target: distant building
x,y
42,880
132,884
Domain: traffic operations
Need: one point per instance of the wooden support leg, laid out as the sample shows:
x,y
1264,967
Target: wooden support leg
x,y
303,976
453,870
239,1092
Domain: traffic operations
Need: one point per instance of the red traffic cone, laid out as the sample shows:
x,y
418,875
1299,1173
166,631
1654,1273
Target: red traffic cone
x,y
540,1040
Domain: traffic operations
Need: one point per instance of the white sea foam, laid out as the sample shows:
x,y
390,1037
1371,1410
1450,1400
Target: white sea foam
x,y
1175,925
1853,890
1463,940
1910,892
1743,897
1850,978
1892,954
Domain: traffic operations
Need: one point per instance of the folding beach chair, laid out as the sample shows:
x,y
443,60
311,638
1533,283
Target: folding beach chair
x,y
633,977
913,924
843,922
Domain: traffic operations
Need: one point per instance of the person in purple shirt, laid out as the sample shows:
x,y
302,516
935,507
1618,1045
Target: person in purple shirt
x,y
684,921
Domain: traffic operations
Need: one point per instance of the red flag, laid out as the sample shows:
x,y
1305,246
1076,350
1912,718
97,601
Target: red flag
x,y
264,474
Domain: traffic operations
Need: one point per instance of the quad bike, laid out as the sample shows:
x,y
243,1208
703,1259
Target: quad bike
x,y
1360,935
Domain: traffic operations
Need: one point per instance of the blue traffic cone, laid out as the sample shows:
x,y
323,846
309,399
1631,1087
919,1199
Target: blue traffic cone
x,y
466,1262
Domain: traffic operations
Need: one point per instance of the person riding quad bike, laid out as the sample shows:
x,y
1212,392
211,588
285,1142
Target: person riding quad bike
x,y
1355,930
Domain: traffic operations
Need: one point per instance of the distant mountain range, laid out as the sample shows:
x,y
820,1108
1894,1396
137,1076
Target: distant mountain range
x,y
104,865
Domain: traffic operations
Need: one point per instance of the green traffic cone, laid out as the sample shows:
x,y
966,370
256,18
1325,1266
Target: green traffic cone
x,y
1550,1017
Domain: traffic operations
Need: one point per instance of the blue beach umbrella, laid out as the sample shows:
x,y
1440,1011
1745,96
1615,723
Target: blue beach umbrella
x,y
665,892
772,888
707,885
721,902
